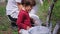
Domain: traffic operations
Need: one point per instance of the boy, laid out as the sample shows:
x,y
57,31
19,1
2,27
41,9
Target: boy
x,y
23,21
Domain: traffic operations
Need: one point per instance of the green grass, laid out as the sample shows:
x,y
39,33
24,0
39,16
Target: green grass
x,y
2,10
4,21
55,13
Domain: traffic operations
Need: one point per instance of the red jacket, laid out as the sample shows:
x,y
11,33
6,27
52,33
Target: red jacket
x,y
23,20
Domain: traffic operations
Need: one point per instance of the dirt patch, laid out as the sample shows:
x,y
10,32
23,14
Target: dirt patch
x,y
9,31
3,4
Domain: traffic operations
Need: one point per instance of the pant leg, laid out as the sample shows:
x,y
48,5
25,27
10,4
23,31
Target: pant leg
x,y
33,15
37,21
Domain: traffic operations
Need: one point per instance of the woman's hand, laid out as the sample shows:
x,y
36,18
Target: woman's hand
x,y
19,6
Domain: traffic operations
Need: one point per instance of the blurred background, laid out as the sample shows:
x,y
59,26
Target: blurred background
x,y
42,13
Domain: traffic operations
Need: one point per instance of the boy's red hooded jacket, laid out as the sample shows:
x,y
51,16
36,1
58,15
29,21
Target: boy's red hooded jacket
x,y
23,20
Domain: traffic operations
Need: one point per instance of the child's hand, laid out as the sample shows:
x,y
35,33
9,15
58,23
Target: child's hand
x,y
28,27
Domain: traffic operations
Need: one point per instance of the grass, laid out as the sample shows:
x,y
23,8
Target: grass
x,y
5,23
43,10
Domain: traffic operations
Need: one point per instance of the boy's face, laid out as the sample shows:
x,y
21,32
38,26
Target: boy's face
x,y
28,8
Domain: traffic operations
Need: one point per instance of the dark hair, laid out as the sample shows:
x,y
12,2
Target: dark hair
x,y
28,2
